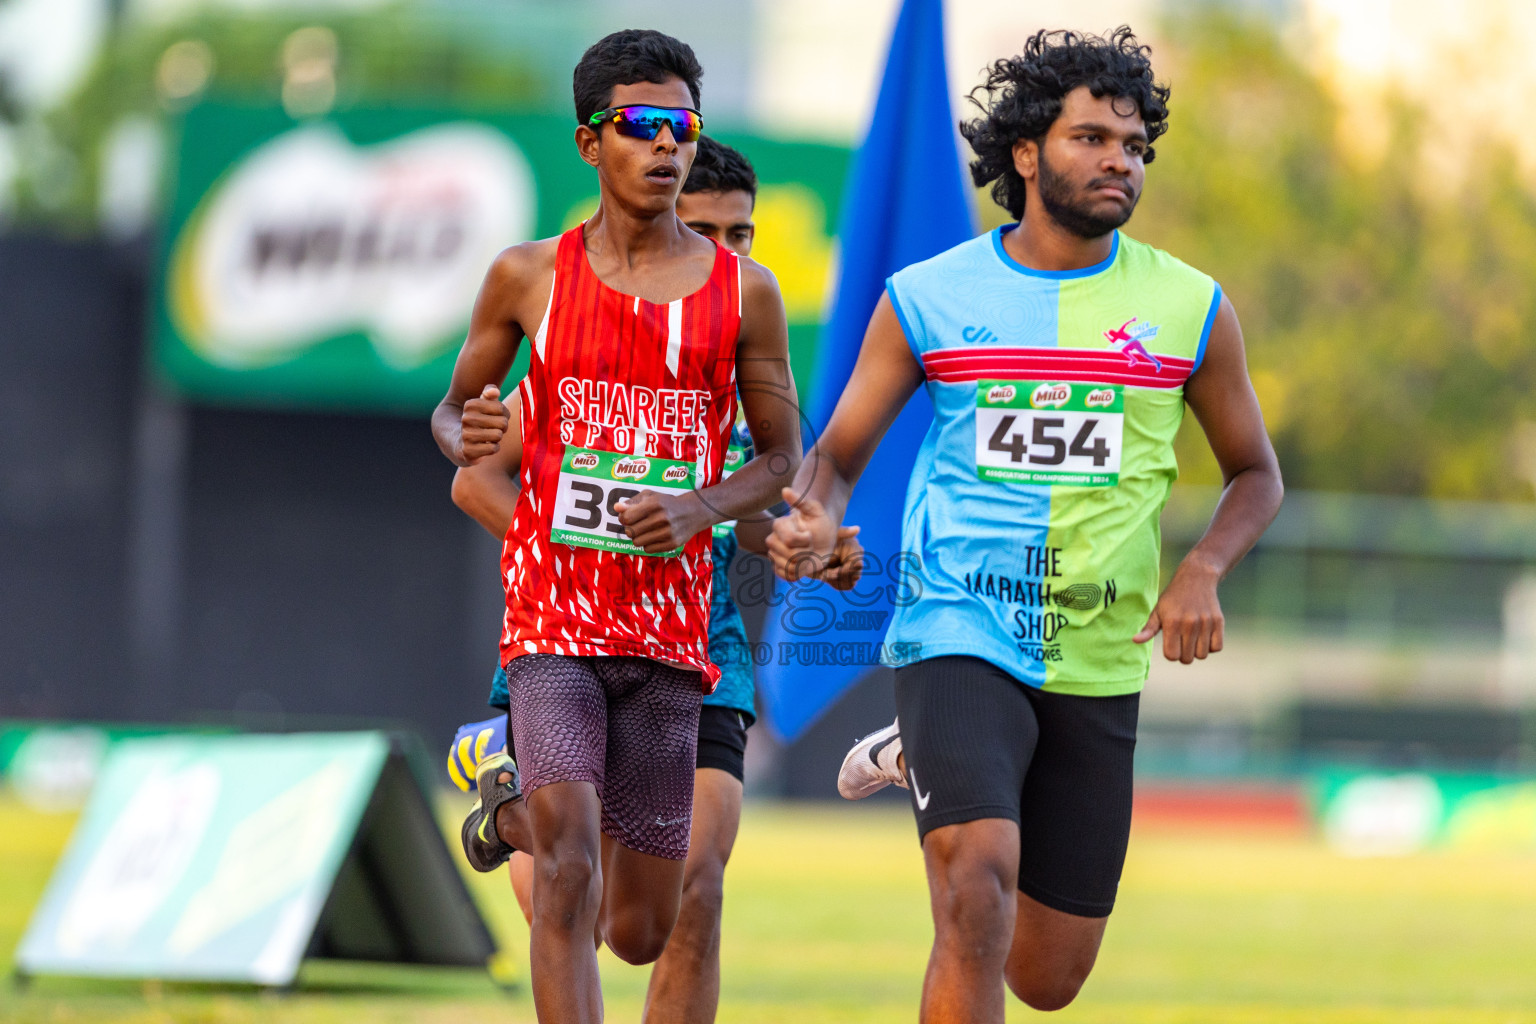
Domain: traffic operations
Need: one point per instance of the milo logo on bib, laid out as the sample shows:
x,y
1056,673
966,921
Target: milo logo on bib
x,y
631,468
1001,393
1049,433
1049,396
591,487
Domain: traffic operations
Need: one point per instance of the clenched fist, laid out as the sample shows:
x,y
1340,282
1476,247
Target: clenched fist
x,y
482,426
803,542
659,523
846,566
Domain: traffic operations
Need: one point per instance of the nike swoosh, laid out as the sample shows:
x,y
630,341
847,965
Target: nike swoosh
x,y
874,751
674,821
919,795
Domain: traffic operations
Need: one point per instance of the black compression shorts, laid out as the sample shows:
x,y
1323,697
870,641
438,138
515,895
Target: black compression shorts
x,y
723,740
980,744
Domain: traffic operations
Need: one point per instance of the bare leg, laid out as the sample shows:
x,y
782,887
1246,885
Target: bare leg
x,y
1052,954
685,986
639,902
520,873
567,897
513,824
973,870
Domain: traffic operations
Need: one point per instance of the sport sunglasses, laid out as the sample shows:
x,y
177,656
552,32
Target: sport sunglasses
x,y
642,122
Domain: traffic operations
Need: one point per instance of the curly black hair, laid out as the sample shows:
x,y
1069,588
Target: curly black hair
x,y
630,56
719,168
1021,98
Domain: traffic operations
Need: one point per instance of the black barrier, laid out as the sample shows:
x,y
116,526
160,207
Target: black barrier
x,y
313,570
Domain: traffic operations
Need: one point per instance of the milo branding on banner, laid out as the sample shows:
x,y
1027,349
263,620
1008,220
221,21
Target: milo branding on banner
x,y
1049,432
334,262
310,237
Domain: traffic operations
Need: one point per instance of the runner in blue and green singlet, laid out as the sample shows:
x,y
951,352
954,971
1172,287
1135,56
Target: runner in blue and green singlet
x,y
1059,355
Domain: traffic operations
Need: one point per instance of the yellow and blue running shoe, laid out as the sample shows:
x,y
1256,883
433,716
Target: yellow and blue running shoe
x,y
472,744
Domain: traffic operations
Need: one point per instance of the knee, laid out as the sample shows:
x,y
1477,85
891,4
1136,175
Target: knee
x,y
703,901
704,884
1045,993
972,896
569,883
974,914
636,938
1050,980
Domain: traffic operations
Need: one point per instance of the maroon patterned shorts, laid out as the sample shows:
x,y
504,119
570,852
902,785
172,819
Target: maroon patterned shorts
x,y
629,726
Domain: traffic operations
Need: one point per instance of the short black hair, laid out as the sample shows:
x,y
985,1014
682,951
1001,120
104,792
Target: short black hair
x,y
719,168
624,58
1021,98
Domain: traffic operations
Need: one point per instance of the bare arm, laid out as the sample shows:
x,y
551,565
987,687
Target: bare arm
x,y
753,534
883,378
1222,399
468,424
658,523
487,491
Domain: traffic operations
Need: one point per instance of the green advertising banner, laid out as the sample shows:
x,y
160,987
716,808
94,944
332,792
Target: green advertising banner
x,y
52,766
231,858
332,264
1396,813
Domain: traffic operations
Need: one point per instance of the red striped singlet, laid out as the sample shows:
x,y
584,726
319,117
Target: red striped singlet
x,y
620,392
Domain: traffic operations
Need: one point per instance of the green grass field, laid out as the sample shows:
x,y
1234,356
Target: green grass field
x,y
826,920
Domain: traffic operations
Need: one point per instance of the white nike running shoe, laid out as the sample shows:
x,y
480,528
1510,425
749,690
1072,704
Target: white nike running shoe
x,y
872,764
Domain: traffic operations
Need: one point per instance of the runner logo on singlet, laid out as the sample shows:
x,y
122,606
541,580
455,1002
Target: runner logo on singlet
x,y
1131,342
1048,432
592,483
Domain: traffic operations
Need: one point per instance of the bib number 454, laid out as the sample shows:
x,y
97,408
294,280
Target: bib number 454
x,y
1059,447
1047,445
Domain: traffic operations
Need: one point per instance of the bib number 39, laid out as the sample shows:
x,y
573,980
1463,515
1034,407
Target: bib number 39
x,y
1039,432
592,483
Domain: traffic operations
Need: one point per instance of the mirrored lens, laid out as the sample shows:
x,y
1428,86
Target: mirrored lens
x,y
646,122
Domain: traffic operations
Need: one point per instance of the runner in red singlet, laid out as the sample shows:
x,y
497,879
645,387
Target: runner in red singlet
x,y
638,327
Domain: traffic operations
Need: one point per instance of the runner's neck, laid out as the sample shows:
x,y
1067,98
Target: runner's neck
x,y
1040,243
634,240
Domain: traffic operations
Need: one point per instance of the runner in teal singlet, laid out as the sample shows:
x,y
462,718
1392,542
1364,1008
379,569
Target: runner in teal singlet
x,y
1059,355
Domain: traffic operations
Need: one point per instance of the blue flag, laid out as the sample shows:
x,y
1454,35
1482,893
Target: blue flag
x,y
906,199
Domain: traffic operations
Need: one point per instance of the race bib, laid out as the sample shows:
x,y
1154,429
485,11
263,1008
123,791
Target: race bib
x,y
735,458
1038,432
592,483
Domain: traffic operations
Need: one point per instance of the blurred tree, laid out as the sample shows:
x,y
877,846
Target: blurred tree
x,y
393,56
1388,314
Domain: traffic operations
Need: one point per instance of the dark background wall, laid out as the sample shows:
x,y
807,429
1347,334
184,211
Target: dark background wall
x,y
160,562
68,316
